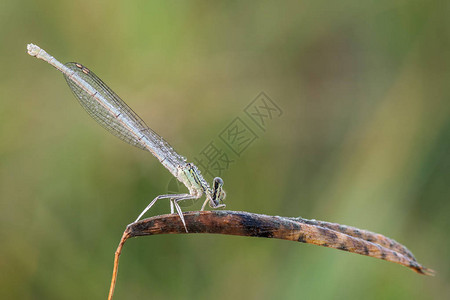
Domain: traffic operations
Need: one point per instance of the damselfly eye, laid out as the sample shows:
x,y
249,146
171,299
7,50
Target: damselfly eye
x,y
218,182
218,193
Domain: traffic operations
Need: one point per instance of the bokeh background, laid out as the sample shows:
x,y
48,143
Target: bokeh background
x,y
363,140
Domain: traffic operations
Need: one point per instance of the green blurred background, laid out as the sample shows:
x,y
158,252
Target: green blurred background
x,y
363,140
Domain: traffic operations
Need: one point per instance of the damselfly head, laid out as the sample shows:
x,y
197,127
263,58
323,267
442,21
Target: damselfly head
x,y
218,194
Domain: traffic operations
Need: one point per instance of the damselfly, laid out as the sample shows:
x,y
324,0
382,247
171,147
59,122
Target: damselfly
x,y
117,117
